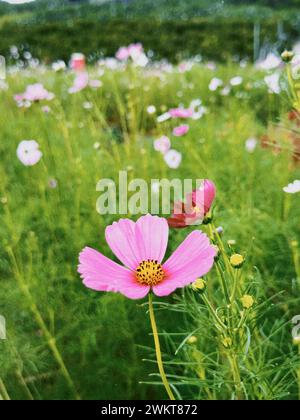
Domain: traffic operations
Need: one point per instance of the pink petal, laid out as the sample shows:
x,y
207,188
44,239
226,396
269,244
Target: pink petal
x,y
123,240
193,259
133,290
102,274
154,234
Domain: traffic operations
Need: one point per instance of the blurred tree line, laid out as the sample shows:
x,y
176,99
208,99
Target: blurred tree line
x,y
54,29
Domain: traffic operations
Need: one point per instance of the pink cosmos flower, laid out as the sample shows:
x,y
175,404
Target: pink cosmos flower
x,y
141,247
181,130
162,145
181,113
81,82
135,50
34,93
196,206
28,152
123,54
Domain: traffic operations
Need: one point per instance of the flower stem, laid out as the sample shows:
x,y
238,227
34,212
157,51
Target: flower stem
x,y
236,375
51,342
158,350
3,391
213,312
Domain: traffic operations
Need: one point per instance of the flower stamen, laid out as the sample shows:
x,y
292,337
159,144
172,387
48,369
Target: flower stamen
x,y
150,273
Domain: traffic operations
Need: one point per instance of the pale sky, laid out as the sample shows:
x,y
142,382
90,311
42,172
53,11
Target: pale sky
x,y
17,1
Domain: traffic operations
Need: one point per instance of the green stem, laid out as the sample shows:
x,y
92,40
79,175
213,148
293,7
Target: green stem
x,y
213,312
236,375
223,281
235,286
3,391
51,342
158,350
291,83
24,385
223,251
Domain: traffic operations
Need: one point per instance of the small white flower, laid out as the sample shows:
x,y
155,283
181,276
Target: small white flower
x,y
195,103
226,91
151,109
164,117
271,62
173,158
59,65
236,81
292,188
28,152
211,66
87,105
273,84
215,84
251,144
52,183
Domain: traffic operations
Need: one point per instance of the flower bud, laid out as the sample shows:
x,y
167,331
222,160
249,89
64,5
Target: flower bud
x,y
192,340
237,260
287,56
227,342
199,285
296,341
247,301
294,243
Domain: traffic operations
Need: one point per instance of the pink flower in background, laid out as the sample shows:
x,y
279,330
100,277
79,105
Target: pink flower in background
x,y
196,206
181,113
162,145
28,152
141,247
185,66
135,52
181,130
81,82
35,93
123,54
173,159
77,62
204,197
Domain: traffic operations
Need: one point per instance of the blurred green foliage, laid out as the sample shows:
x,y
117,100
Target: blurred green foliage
x,y
217,29
215,39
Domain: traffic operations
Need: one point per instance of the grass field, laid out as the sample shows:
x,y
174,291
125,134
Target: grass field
x,y
65,341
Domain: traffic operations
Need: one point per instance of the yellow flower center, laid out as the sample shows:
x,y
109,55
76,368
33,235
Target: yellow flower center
x,y
150,273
